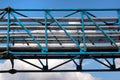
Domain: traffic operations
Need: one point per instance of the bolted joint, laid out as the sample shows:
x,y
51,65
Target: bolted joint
x,y
113,67
8,9
45,68
79,67
12,71
82,50
44,50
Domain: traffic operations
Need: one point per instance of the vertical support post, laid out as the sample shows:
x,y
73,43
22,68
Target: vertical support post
x,y
113,66
46,62
46,33
8,34
83,30
11,60
45,67
79,67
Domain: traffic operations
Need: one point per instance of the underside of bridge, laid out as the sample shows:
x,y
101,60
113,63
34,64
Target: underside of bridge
x,y
71,35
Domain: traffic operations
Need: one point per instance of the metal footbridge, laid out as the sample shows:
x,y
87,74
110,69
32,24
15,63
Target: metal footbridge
x,y
72,35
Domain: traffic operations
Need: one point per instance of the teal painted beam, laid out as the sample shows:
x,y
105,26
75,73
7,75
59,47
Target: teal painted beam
x,y
34,39
83,31
99,28
46,31
65,32
64,53
8,34
108,9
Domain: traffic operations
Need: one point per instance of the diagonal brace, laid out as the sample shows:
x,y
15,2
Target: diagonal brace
x,y
29,63
35,40
105,34
65,31
65,62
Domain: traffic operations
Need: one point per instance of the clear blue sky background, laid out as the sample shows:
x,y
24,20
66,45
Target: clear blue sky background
x,y
47,4
60,3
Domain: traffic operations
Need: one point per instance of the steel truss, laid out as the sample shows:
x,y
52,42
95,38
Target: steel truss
x,y
24,37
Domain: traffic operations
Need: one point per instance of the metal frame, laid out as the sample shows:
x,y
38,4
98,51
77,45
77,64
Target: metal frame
x,y
10,20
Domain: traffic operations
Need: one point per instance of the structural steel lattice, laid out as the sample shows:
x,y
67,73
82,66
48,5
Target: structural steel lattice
x,y
72,35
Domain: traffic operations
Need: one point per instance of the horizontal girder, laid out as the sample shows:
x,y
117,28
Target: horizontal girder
x,y
37,19
59,48
60,56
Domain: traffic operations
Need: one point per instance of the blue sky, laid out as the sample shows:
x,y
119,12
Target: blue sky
x,y
60,4
67,4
